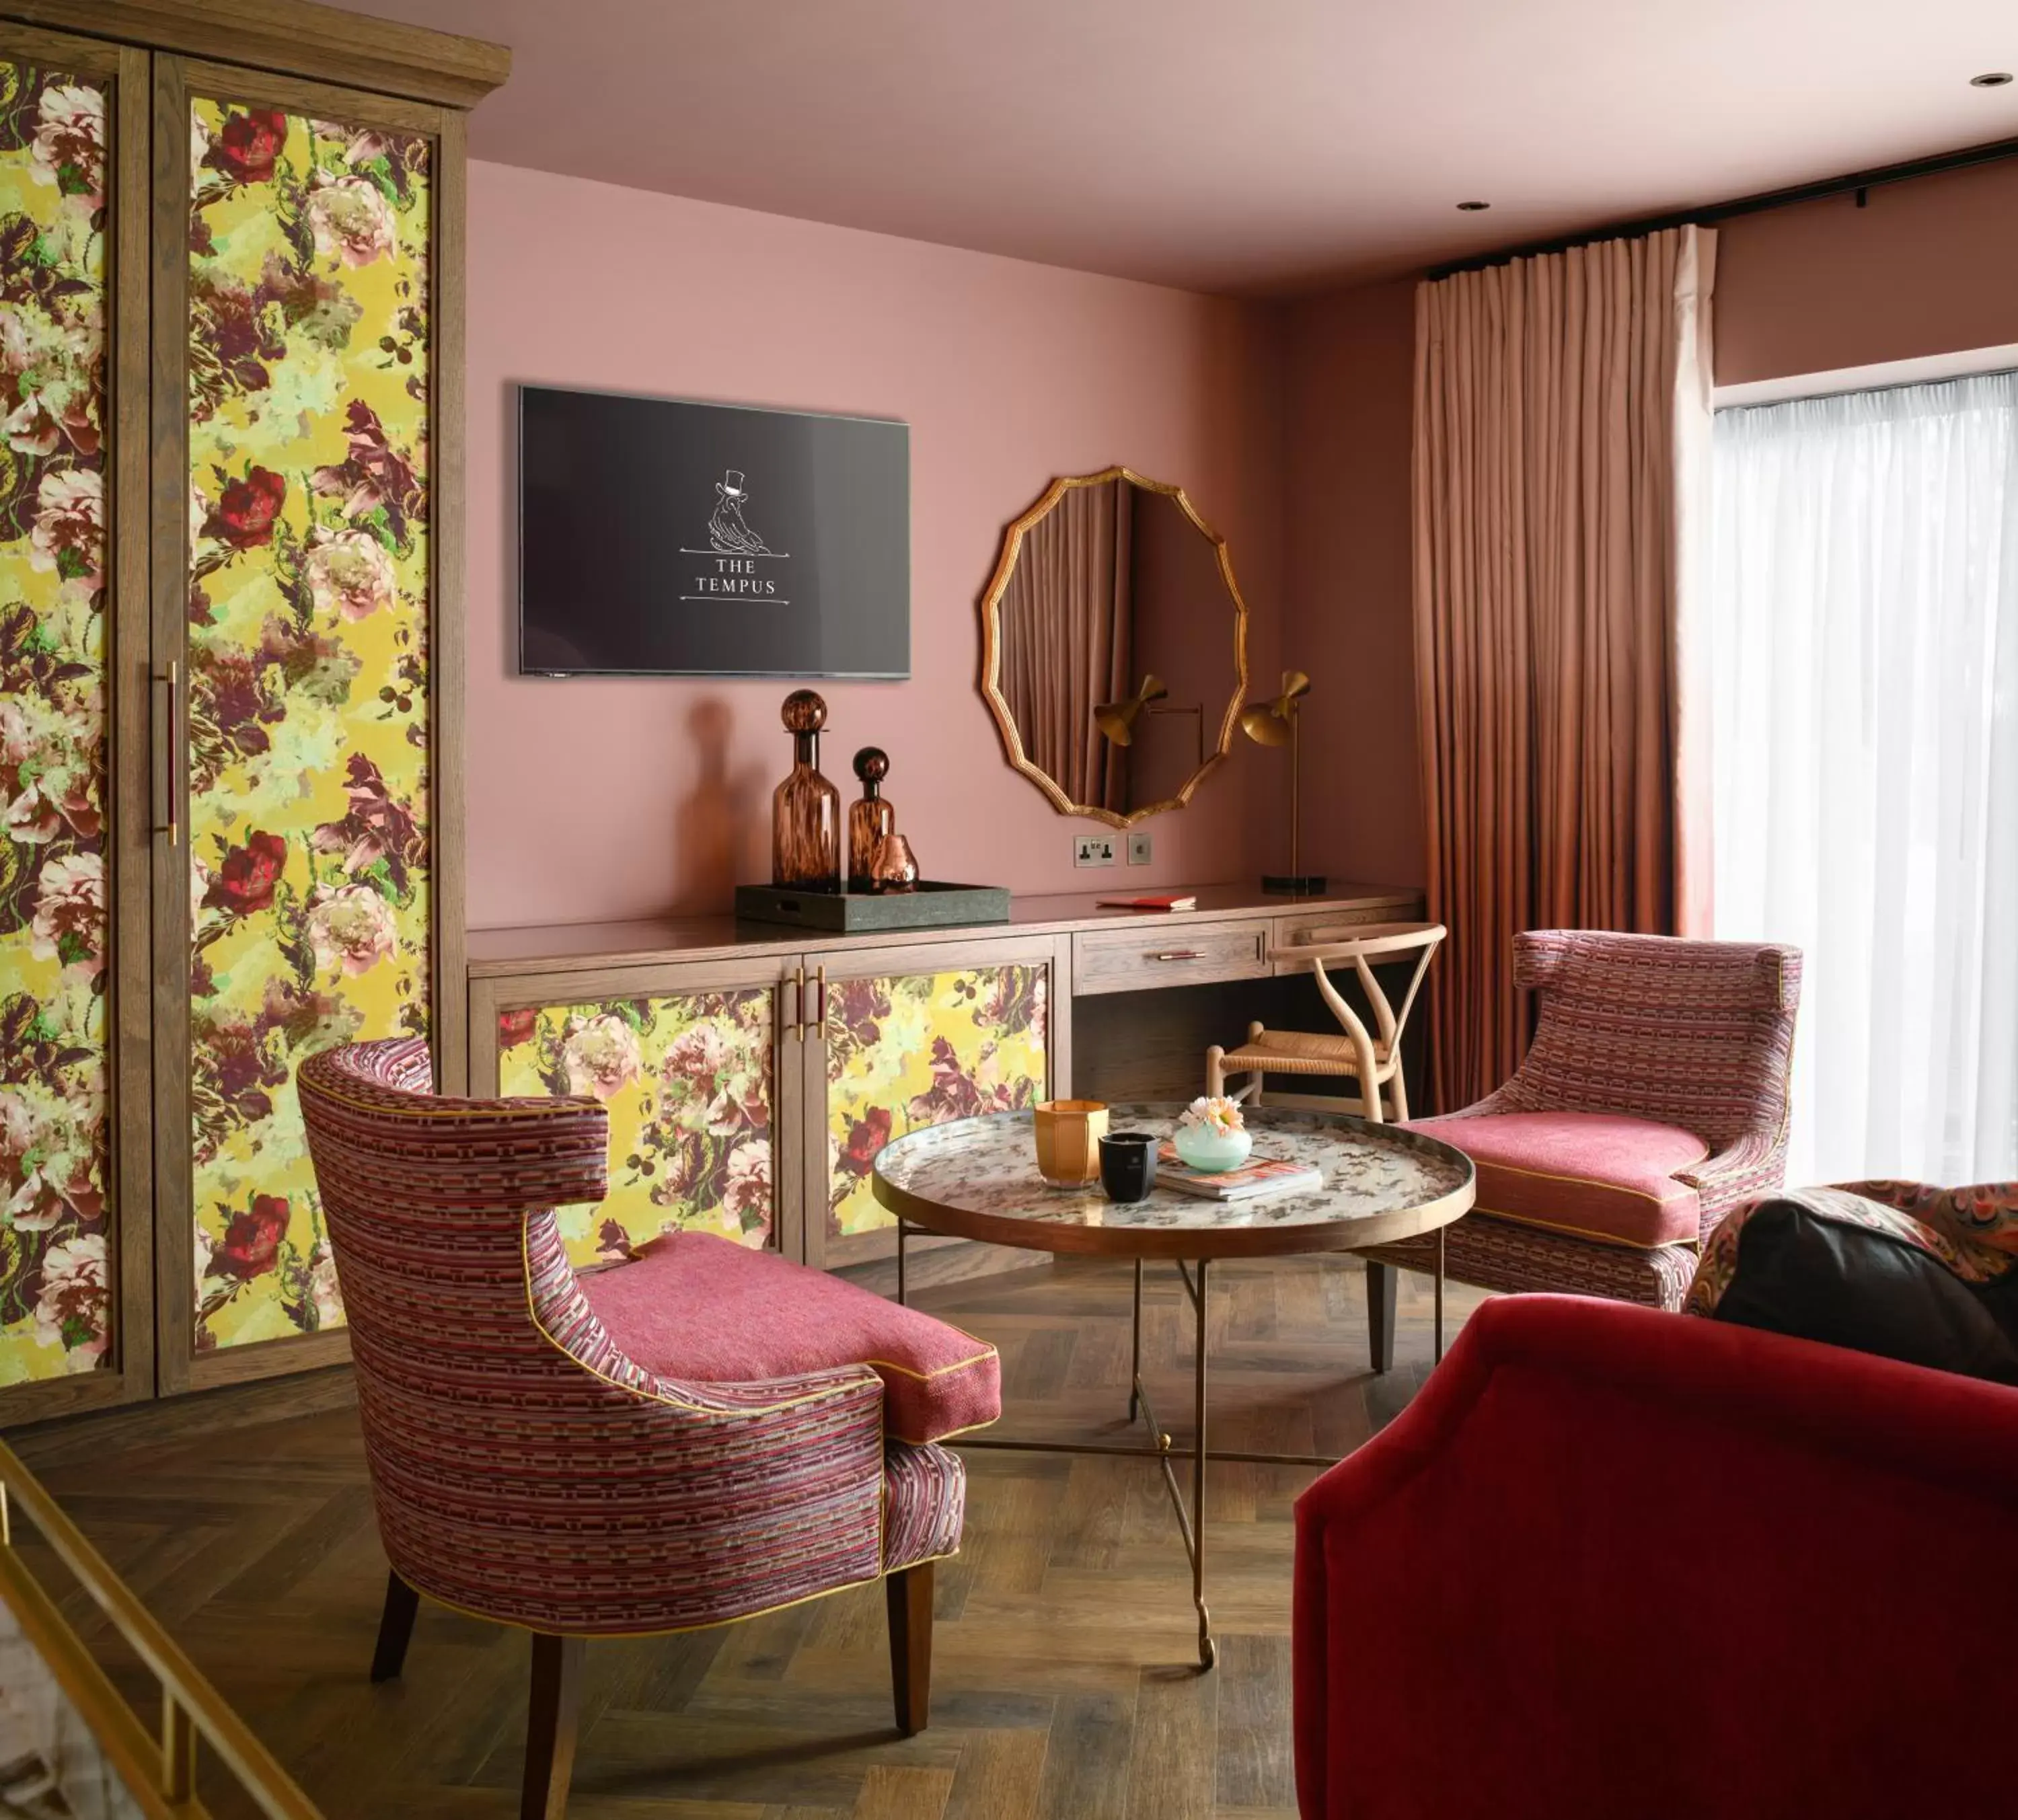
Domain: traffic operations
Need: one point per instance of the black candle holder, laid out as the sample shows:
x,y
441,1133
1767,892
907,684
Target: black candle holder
x,y
1128,1165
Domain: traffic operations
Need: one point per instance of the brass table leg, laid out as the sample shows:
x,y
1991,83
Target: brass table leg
x,y
900,1261
1135,1350
1190,1513
1191,1520
1208,1650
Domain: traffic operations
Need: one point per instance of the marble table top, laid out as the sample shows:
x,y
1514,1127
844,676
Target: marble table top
x,y
976,1178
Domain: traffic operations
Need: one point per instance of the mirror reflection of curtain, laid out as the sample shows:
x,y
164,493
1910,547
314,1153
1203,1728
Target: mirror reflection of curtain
x,y
1065,645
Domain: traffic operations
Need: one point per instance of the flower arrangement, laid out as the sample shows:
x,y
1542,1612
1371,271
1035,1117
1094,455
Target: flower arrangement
x,y
1218,1115
1212,1135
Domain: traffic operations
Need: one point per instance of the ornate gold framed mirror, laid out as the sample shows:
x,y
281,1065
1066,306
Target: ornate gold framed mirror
x,y
1114,646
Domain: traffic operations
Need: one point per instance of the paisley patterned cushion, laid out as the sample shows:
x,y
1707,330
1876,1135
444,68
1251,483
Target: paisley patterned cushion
x,y
1985,1213
1843,1267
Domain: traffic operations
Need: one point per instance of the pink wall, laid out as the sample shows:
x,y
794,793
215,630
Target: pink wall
x,y
600,798
1928,267
1348,410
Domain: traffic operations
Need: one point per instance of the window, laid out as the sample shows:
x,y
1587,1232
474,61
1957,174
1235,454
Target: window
x,y
1863,621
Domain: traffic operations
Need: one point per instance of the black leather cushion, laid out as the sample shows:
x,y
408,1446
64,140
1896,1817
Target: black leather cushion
x,y
1845,1285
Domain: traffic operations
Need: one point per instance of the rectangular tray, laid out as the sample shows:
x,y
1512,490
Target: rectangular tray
x,y
929,905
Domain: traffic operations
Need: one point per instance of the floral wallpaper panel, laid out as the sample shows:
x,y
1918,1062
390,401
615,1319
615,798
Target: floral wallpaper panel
x,y
308,664
56,1314
688,1083
919,1049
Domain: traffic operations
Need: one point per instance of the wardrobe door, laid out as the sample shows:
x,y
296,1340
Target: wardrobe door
x,y
306,324
75,1257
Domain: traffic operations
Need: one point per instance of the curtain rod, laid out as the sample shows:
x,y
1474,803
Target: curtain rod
x,y
1855,184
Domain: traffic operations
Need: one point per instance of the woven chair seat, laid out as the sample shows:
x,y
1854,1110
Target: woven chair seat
x,y
1295,1051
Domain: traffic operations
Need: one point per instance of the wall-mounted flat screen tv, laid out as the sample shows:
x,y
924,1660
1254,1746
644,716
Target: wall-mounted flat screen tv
x,y
658,537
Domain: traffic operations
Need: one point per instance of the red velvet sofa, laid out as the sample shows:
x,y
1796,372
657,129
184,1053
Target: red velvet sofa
x,y
1613,1562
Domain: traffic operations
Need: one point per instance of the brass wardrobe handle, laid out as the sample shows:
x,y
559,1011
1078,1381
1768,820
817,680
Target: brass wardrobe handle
x,y
1178,954
796,1026
819,1004
171,765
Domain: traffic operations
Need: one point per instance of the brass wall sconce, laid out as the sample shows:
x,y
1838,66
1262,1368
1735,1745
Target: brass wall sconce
x,y
1279,723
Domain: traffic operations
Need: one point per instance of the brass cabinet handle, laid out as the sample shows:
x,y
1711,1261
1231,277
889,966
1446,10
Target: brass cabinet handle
x,y
818,1019
1178,954
796,1024
172,766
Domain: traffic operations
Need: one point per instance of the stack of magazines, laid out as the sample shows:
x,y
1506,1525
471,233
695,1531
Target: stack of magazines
x,y
1255,1178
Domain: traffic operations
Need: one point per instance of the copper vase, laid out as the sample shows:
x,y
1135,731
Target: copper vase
x,y
805,808
869,819
894,868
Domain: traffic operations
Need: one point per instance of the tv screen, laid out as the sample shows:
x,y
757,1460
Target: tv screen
x,y
662,538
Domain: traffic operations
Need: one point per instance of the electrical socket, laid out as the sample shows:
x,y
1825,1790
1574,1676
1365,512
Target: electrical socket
x,y
1093,850
1139,848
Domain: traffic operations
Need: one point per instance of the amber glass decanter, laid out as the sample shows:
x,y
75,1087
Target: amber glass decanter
x,y
869,819
805,808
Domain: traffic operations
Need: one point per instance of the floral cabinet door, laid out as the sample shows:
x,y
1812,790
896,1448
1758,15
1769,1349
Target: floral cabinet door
x,y
689,1067
309,637
75,1238
943,1031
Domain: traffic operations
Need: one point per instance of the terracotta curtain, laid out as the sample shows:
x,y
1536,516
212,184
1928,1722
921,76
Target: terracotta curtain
x,y
1066,644
1562,422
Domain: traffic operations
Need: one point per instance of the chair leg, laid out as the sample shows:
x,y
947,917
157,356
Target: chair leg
x,y
1215,1072
395,1629
550,1727
1397,1097
1380,1285
908,1595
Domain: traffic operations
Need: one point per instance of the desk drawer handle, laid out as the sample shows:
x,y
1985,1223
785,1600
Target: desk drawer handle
x,y
1178,954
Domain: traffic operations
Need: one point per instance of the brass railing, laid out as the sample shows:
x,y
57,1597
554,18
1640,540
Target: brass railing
x,y
159,1770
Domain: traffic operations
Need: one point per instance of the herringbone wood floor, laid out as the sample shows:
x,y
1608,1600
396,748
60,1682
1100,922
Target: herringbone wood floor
x,y
1062,1683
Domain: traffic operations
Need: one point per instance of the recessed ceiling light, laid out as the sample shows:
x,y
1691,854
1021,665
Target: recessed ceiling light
x,y
1472,208
1991,79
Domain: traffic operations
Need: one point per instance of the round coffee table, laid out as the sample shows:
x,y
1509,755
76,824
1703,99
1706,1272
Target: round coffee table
x,y
977,1178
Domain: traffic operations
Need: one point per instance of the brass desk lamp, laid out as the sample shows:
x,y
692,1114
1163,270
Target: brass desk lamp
x,y
1116,719
1277,722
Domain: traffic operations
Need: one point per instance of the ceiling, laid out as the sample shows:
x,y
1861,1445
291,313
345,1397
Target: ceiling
x,y
1249,146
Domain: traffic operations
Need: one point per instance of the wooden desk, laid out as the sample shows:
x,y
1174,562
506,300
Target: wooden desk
x,y
1112,1003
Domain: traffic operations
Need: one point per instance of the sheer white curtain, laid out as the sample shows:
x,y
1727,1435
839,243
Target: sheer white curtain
x,y
1864,651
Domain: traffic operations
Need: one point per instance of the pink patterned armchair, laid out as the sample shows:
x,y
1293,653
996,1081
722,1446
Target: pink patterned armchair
x,y
1652,1102
529,1465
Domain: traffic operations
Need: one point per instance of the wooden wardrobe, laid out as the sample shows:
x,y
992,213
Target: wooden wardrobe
x,y
231,416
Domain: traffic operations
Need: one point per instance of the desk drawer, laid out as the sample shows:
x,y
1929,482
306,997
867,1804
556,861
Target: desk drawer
x,y
1314,926
1138,959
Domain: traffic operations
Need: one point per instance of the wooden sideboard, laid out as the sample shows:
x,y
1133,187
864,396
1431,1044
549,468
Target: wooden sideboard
x,y
752,1071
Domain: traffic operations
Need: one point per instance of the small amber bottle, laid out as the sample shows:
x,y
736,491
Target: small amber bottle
x,y
869,819
805,808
